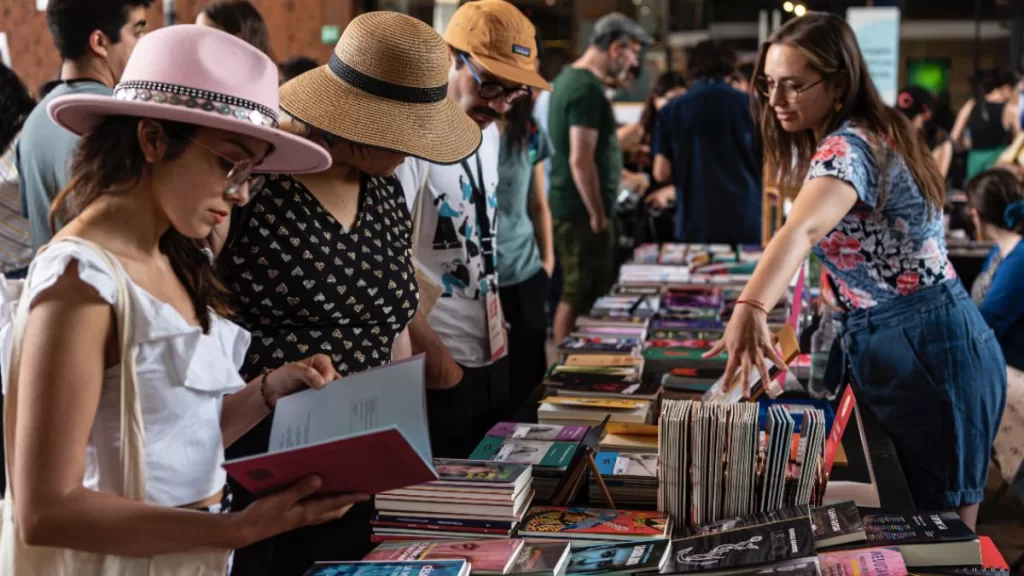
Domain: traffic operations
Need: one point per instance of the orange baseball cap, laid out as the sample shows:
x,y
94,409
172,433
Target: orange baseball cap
x,y
497,35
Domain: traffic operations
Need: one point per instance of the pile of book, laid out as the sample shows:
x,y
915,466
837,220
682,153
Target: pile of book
x,y
548,448
472,499
587,388
714,464
587,524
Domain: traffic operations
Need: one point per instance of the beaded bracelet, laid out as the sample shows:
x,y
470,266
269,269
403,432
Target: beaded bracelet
x,y
263,389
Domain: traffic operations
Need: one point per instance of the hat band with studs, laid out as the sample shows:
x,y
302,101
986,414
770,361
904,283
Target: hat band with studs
x,y
383,88
193,98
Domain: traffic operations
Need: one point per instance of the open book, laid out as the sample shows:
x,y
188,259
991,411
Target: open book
x,y
364,433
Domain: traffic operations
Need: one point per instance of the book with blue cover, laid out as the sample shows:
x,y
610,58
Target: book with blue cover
x,y
410,568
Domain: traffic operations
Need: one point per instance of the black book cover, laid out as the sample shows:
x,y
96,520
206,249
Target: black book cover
x,y
934,528
759,519
602,384
836,521
747,547
617,558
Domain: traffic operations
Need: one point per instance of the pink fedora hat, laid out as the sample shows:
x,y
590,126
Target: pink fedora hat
x,y
202,76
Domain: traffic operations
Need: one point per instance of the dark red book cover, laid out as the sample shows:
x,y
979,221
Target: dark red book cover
x,y
835,437
350,465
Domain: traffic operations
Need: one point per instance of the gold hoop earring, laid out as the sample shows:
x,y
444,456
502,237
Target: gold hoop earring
x,y
837,106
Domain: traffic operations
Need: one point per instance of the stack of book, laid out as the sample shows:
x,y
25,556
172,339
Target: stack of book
x,y
472,499
548,448
456,558
490,557
715,464
586,389
631,478
585,524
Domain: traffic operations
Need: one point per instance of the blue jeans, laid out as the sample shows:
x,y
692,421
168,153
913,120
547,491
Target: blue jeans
x,y
932,371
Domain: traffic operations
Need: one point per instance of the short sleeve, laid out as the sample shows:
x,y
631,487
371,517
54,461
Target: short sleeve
x,y
410,176
1003,306
584,107
543,146
51,264
848,157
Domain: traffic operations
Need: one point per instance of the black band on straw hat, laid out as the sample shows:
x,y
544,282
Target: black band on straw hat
x,y
383,88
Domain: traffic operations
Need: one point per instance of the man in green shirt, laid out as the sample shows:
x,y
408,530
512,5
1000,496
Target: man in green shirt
x,y
586,166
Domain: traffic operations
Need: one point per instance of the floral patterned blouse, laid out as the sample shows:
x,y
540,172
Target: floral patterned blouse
x,y
878,253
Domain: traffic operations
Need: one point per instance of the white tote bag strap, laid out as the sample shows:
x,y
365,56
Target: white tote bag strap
x,y
132,432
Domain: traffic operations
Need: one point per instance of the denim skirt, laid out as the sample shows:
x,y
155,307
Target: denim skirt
x,y
929,367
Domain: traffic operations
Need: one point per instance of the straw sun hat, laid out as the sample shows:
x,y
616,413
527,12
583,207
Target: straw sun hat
x,y
386,86
199,76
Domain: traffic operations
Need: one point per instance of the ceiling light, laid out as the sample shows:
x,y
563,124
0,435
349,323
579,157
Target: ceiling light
x,y
787,6
799,10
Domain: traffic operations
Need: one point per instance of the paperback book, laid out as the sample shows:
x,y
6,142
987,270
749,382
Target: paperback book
x,y
485,556
594,524
541,558
866,561
412,568
620,558
737,550
837,524
938,539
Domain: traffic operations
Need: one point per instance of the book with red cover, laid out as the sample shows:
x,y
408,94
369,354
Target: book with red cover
x,y
336,464
485,556
991,559
594,524
835,436
883,561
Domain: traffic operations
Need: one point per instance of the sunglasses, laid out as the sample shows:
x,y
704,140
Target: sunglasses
x,y
492,90
239,173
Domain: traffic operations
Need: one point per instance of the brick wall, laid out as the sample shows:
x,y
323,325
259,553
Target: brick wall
x,y
294,30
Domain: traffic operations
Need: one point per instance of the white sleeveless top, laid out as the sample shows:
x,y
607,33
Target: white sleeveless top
x,y
183,375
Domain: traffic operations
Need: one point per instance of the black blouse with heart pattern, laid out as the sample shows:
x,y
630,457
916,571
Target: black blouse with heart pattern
x,y
303,285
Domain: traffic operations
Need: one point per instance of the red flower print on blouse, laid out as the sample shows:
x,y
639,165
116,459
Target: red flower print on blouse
x,y
832,147
842,250
844,291
908,282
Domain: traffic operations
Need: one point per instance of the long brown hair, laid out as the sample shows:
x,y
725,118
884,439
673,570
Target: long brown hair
x,y
831,48
110,161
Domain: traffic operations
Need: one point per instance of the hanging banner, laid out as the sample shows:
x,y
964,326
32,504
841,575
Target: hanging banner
x,y
878,33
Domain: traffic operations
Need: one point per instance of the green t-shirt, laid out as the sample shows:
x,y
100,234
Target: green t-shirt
x,y
578,100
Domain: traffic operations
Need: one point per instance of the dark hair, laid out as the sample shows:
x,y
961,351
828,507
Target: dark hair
x,y
71,22
711,59
110,161
996,195
831,49
519,125
296,67
665,83
605,41
992,79
914,100
15,105
239,17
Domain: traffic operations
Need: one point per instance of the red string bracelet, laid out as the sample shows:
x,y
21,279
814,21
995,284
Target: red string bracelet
x,y
753,303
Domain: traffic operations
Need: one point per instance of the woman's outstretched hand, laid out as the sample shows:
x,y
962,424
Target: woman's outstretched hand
x,y
749,342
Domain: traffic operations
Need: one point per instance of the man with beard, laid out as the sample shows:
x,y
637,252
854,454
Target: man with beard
x,y
586,166
493,66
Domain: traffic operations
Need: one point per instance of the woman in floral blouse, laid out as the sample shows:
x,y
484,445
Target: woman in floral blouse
x,y
914,346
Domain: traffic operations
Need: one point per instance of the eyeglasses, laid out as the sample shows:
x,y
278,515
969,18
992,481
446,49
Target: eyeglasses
x,y
238,175
790,92
491,90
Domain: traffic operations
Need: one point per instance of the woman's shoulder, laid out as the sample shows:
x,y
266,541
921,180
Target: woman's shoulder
x,y
51,263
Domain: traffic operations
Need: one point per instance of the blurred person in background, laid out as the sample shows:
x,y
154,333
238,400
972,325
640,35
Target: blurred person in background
x,y
94,39
986,130
15,240
586,167
239,18
706,143
741,79
296,67
918,105
667,87
996,205
526,250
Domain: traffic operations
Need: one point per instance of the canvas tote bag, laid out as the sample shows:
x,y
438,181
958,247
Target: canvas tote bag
x,y
18,559
430,291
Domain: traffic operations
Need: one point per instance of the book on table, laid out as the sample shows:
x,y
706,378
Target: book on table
x,y
410,568
485,556
543,559
339,433
879,561
736,551
619,557
837,524
927,539
579,523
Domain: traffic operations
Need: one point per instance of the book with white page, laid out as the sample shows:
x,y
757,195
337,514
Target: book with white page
x,y
364,433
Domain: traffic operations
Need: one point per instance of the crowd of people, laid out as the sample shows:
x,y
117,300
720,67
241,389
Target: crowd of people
x,y
202,231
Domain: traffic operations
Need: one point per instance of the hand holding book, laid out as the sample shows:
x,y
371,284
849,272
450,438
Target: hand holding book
x,y
749,343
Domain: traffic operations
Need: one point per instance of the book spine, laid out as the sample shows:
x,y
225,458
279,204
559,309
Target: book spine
x,y
444,522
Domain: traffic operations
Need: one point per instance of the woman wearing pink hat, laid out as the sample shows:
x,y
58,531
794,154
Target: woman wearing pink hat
x,y
116,422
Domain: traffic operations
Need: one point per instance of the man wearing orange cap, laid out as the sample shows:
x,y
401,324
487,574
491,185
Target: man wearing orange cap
x,y
493,66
